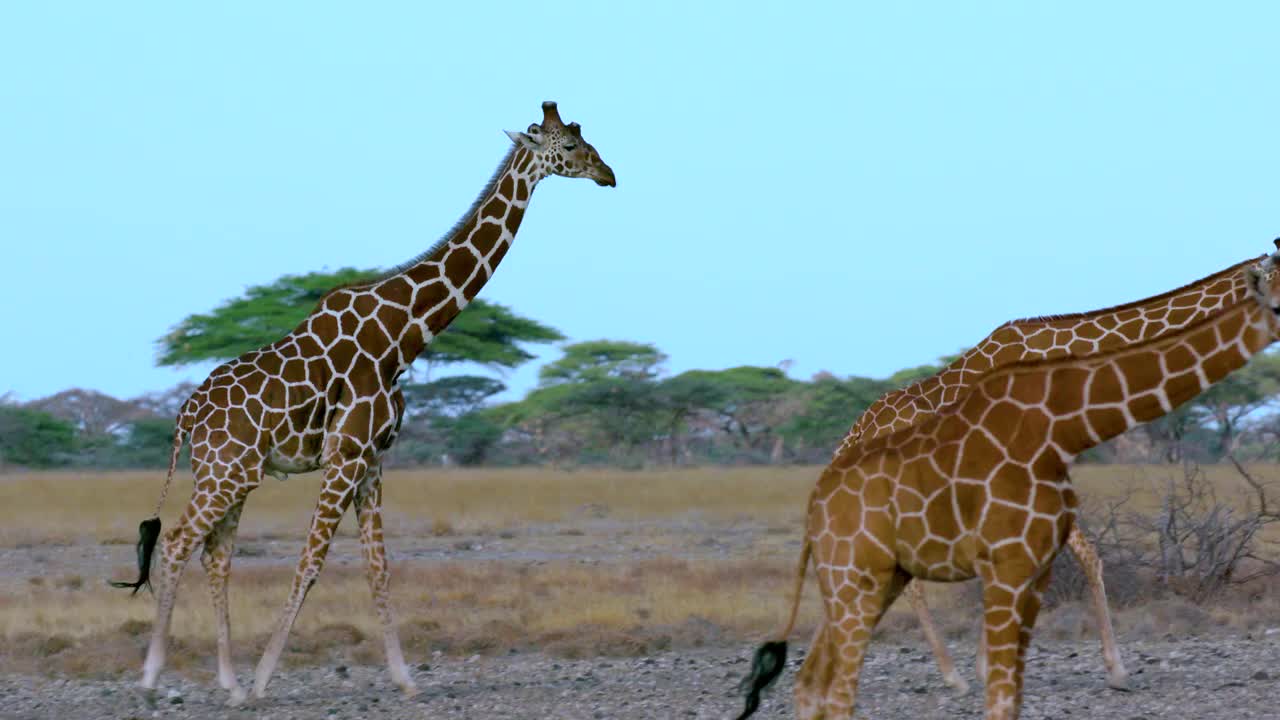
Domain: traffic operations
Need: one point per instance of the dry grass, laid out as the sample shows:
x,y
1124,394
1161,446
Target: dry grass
x,y
63,623
44,508
566,608
41,508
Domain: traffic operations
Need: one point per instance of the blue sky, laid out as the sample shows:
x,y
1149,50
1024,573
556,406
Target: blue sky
x,y
854,188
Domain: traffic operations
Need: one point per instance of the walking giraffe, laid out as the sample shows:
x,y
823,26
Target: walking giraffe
x,y
326,396
1046,338
980,490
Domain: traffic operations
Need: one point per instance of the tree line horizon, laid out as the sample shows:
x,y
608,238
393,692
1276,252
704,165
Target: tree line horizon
x,y
604,402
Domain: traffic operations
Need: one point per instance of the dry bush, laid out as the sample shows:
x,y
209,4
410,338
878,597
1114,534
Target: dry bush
x,y
1196,538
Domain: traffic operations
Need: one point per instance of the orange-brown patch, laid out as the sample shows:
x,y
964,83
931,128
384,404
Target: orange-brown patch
x,y
1032,432
1106,422
979,457
1141,370
1012,483
1219,364
1105,388
1002,421
1003,521
1071,434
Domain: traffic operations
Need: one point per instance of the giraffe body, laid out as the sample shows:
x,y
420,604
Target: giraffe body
x,y
980,490
1046,338
326,397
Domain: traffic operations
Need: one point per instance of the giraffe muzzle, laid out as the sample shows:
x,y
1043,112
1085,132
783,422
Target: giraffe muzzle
x,y
603,175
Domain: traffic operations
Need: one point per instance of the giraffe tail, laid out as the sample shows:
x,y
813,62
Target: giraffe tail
x,y
771,657
149,529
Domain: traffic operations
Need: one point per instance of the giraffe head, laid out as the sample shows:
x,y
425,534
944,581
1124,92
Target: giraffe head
x,y
1265,287
561,149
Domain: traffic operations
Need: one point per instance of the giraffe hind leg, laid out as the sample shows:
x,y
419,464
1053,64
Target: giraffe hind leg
x,y
915,594
207,508
852,613
368,503
1087,555
216,559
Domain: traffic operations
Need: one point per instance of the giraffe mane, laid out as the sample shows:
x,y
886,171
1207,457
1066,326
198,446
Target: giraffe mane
x,y
1039,319
489,188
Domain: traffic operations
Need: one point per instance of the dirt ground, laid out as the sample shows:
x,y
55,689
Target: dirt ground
x,y
588,611
1228,679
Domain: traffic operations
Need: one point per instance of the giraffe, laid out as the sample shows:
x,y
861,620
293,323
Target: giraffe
x,y
980,489
1048,337
326,397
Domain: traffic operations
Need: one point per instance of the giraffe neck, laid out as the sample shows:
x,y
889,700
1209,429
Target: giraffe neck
x,y
1051,337
435,286
1091,400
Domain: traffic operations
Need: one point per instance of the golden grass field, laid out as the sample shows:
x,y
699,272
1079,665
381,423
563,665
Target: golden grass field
x,y
585,562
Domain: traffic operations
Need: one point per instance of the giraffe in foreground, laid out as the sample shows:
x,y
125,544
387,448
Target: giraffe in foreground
x,y
326,396
981,490
1047,338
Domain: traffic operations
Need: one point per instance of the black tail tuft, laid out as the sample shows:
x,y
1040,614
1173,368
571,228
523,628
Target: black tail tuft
x,y
148,534
767,665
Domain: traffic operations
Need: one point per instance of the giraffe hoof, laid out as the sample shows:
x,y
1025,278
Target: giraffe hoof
x,y
1119,681
238,697
955,682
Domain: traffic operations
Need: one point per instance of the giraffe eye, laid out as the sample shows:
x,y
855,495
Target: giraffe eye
x,y
570,147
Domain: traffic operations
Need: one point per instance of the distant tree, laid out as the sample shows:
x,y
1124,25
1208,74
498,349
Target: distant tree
x,y
906,376
749,403
599,359
31,438
1227,403
450,396
485,333
165,403
470,437
90,411
830,408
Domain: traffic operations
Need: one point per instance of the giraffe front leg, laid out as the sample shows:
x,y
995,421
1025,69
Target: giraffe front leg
x,y
1117,676
216,559
369,513
1009,617
915,594
340,482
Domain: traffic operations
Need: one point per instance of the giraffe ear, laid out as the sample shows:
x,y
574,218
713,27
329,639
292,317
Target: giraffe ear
x,y
524,140
1256,274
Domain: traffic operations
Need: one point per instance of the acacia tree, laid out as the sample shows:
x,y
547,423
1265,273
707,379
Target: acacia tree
x,y
484,333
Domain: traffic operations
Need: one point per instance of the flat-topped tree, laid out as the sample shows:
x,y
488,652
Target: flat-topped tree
x,y
326,397
980,489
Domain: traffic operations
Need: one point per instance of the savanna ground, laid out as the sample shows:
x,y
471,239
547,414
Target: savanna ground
x,y
531,593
